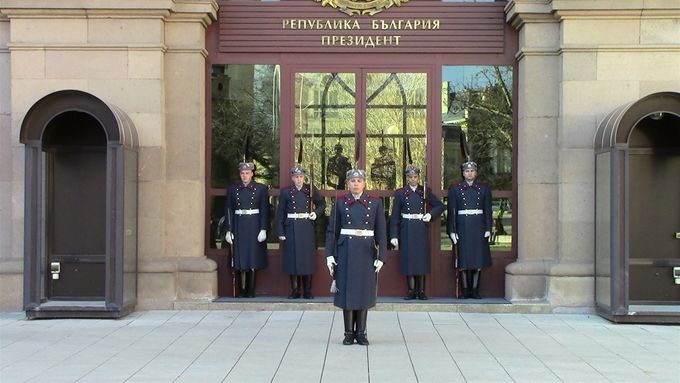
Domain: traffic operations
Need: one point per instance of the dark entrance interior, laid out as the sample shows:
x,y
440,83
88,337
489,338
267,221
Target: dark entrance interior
x,y
654,168
75,146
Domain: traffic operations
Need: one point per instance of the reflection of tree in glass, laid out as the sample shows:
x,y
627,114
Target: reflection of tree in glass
x,y
487,99
246,116
396,111
324,115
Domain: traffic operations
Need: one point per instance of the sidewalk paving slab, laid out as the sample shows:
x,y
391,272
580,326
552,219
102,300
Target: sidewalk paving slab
x,y
306,346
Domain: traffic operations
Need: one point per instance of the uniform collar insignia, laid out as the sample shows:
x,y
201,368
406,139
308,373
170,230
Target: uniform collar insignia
x,y
303,189
349,199
408,191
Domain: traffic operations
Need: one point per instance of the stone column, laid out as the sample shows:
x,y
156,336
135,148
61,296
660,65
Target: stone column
x,y
185,88
537,148
11,188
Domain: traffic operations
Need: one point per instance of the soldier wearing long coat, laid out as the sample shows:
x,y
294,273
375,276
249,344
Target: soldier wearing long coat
x,y
469,227
295,218
247,212
410,221
356,248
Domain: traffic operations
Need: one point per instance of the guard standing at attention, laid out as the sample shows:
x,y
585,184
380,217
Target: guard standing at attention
x,y
356,248
410,222
247,212
295,217
469,220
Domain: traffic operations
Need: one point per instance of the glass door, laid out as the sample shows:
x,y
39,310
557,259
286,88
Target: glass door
x,y
325,126
395,128
376,120
390,134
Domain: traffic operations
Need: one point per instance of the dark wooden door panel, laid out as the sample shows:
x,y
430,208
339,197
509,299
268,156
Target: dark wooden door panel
x,y
77,223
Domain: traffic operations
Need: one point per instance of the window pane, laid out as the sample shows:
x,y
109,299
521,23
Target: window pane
x,y
272,238
324,126
217,223
501,233
245,122
445,241
396,125
477,121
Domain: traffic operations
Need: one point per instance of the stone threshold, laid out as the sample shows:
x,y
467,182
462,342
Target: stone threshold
x,y
485,305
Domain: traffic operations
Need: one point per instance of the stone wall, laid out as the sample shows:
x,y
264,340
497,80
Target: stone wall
x,y
578,60
148,58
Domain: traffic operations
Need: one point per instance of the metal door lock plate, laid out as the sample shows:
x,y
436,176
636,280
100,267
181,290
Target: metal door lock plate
x,y
55,268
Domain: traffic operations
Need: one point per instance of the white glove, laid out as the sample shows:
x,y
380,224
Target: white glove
x,y
454,238
487,234
378,265
394,242
330,262
427,217
229,237
262,236
312,216
282,237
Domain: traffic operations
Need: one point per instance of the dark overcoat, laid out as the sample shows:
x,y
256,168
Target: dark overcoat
x,y
414,241
473,247
248,252
355,275
299,248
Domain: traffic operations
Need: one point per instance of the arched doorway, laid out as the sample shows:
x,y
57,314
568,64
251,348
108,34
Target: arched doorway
x,y
637,230
80,230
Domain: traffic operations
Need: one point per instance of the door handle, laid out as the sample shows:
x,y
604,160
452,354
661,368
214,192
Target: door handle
x,y
676,275
55,268
677,235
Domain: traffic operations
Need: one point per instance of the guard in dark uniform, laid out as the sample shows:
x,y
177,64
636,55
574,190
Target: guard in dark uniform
x,y
356,248
336,169
247,212
469,226
295,217
409,221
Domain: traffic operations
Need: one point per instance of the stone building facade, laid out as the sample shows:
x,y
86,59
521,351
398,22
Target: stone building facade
x,y
577,60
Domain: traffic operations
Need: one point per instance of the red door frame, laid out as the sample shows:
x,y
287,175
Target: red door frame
x,y
272,281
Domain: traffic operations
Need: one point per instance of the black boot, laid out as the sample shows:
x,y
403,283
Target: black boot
x,y
465,283
307,281
250,284
410,282
241,283
294,287
475,284
348,316
468,294
421,288
360,334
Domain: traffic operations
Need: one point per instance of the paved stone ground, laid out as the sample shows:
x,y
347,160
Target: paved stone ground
x,y
305,346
